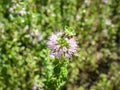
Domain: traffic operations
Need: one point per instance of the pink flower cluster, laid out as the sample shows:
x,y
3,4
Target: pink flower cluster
x,y
57,50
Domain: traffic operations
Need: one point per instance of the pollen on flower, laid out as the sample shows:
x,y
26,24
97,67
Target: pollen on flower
x,y
61,45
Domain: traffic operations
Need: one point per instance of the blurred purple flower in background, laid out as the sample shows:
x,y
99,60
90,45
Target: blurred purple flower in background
x,y
22,12
60,44
34,86
104,1
35,36
14,9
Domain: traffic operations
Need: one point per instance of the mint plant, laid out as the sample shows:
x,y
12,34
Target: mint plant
x,y
62,46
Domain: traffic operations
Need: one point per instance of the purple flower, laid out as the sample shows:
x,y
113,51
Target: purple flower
x,y
34,86
60,44
22,12
35,36
104,1
14,9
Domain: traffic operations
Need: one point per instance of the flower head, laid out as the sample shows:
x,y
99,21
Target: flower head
x,y
61,44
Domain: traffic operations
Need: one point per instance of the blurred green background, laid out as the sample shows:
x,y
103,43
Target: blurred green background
x,y
24,61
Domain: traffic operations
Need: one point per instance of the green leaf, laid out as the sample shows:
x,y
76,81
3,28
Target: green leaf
x,y
70,31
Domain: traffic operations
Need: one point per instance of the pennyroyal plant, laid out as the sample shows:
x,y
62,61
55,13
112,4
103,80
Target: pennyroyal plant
x,y
62,46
